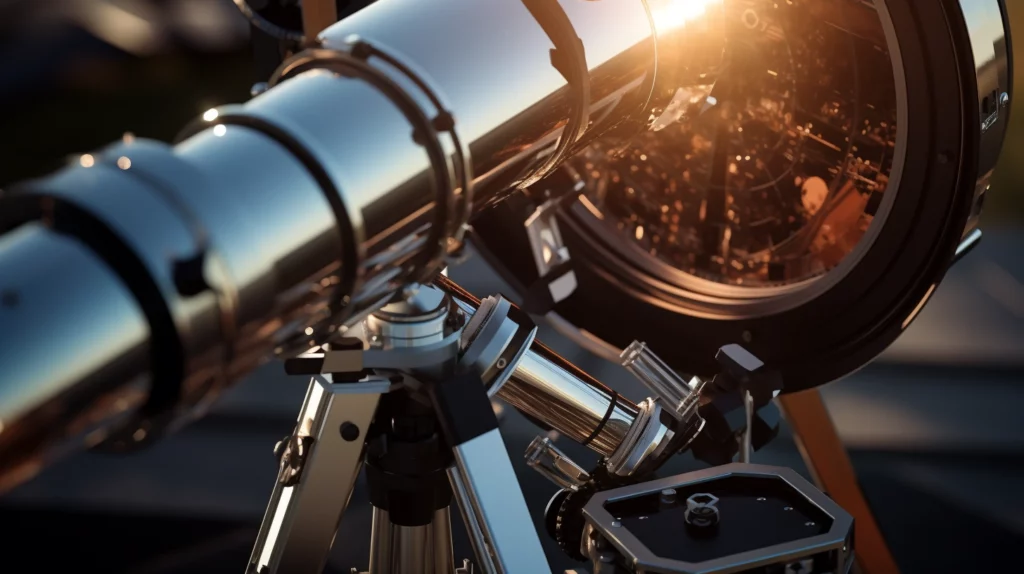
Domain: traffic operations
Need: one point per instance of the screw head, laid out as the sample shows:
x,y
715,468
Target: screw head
x,y
1004,99
258,88
349,431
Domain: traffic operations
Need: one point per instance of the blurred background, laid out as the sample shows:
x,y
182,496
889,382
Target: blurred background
x,y
934,425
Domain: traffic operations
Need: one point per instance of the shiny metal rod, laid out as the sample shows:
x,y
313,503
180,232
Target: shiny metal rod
x,y
556,393
550,389
396,549
277,224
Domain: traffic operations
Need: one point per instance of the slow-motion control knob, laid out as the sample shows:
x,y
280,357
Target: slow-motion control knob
x,y
544,457
677,397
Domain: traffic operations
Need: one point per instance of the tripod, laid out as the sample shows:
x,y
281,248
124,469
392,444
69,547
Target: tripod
x,y
421,422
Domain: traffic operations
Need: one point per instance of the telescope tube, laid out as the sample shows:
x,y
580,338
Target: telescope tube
x,y
272,226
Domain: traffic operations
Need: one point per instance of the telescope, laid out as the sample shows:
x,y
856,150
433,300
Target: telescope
x,y
737,200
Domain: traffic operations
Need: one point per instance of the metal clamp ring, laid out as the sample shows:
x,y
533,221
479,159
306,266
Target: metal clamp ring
x,y
443,122
236,115
345,63
643,438
355,63
267,26
570,59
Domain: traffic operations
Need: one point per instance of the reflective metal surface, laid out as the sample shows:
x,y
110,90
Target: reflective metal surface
x,y
550,389
835,541
494,341
520,101
275,225
73,349
645,442
302,518
231,260
416,320
779,180
398,549
989,50
493,507
444,560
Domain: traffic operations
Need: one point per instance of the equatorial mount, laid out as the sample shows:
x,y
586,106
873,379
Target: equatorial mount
x,y
409,401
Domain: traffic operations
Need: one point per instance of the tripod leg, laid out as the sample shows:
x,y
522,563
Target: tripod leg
x,y
319,467
396,549
484,483
444,560
826,458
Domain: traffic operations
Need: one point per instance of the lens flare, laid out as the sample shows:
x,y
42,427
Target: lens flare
x,y
669,15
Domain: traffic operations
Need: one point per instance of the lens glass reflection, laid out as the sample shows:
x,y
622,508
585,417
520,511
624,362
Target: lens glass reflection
x,y
778,181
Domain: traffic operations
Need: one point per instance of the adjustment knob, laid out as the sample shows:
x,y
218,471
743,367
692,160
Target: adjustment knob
x,y
677,397
545,458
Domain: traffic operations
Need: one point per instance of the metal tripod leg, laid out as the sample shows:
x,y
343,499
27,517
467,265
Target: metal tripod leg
x,y
319,466
484,483
424,549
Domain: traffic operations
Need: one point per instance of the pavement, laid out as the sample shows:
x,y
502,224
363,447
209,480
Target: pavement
x,y
933,425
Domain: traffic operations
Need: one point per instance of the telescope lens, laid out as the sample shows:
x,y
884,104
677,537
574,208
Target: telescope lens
x,y
783,175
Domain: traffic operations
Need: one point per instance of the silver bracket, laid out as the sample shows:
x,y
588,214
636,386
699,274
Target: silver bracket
x,y
319,467
549,252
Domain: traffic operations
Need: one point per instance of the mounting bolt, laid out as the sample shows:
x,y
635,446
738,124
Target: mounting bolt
x,y
258,88
668,496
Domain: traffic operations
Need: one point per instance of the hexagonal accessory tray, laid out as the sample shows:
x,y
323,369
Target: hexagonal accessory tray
x,y
731,518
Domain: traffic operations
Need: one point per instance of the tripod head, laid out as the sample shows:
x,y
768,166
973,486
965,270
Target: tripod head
x,y
432,357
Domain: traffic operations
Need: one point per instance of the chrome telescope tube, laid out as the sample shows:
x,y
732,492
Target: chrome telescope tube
x,y
274,225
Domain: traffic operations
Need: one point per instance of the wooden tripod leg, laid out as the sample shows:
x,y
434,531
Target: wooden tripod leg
x,y
830,466
317,15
